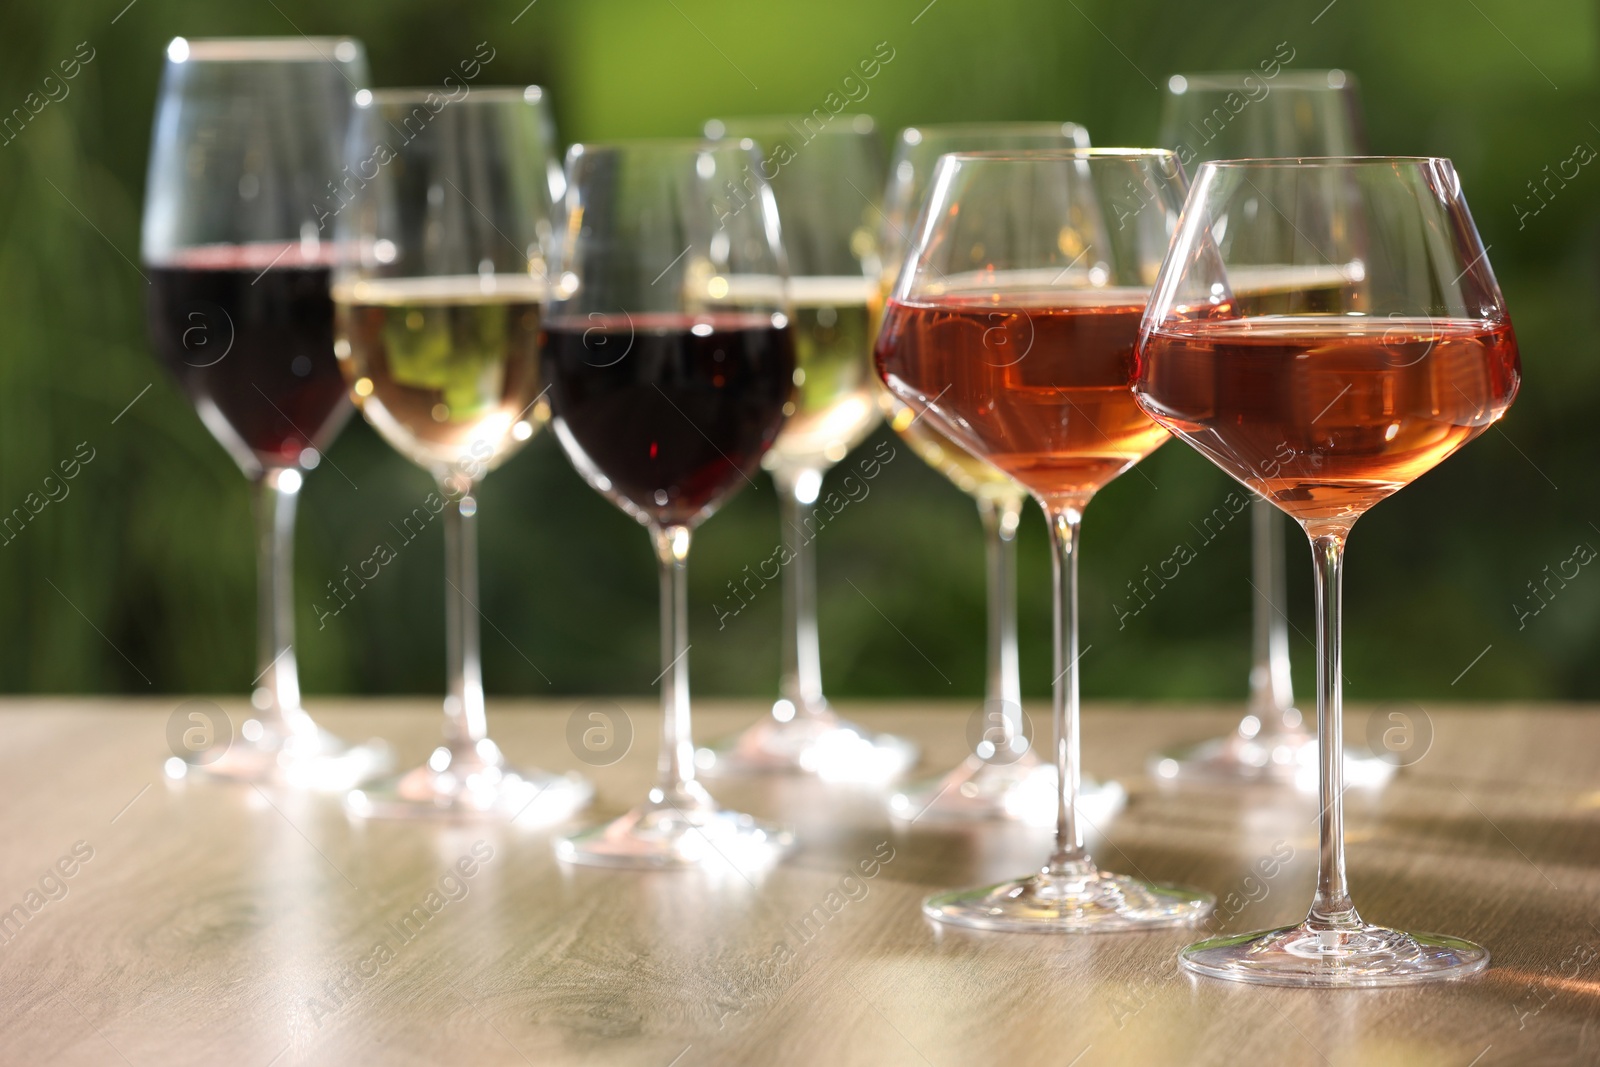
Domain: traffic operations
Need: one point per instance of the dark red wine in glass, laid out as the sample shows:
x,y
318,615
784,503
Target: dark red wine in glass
x,y
667,413
237,250
671,368
248,332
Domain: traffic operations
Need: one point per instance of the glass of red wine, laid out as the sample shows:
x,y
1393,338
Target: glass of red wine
x,y
1250,115
1326,404
670,361
1012,329
437,300
248,139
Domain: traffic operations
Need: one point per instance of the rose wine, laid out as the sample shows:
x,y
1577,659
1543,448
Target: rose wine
x,y
835,401
1036,383
248,332
1326,416
445,368
668,413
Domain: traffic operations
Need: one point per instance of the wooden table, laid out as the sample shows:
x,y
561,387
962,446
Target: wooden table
x,y
222,924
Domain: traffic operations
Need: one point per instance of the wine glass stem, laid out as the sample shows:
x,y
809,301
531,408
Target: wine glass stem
x,y
1001,516
277,687
463,706
801,680
1332,907
1271,692
677,745
1065,522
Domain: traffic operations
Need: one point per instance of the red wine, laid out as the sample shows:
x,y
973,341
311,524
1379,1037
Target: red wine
x,y
1326,416
668,413
248,332
1036,384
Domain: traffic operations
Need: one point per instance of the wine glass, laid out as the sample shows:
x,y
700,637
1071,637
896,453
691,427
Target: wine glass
x,y
437,303
1326,404
670,359
819,178
1012,329
1004,777
1248,115
247,139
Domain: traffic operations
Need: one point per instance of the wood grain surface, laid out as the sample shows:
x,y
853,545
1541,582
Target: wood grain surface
x,y
198,922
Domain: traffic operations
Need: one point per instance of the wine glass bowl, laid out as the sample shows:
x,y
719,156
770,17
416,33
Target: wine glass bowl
x,y
438,307
1326,407
247,137
670,355
1012,327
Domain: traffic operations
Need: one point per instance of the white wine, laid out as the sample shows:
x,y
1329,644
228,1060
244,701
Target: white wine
x,y
446,369
835,401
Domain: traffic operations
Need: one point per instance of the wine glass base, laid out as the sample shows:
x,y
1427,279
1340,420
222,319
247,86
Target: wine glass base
x,y
1287,757
491,791
1364,956
818,743
310,759
1023,792
656,836
1097,903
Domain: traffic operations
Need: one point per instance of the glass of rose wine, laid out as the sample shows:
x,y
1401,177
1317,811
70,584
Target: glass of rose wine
x,y
1004,777
1251,115
670,359
819,176
1326,404
437,303
248,135
1012,329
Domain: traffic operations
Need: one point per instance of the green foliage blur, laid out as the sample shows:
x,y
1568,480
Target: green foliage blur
x,y
140,580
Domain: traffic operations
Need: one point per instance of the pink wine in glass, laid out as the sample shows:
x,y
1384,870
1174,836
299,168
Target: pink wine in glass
x,y
668,412
1327,416
1039,381
248,331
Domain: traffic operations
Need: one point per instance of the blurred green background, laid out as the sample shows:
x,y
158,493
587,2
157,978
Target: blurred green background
x,y
141,580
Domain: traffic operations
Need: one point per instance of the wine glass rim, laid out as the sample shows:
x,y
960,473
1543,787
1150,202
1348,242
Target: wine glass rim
x,y
920,128
852,124
261,49
1333,78
1308,162
415,94
655,145
1045,155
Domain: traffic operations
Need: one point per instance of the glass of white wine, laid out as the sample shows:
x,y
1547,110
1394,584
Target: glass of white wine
x,y
824,179
1249,115
1004,777
437,309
